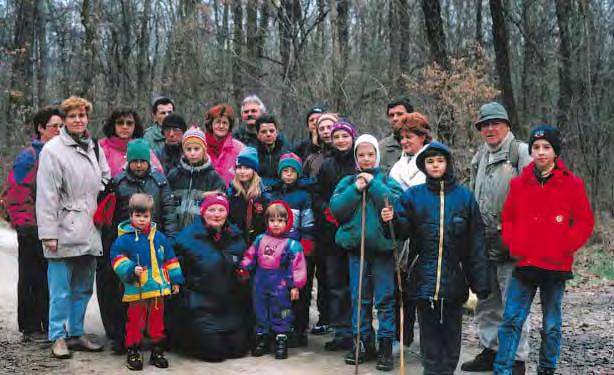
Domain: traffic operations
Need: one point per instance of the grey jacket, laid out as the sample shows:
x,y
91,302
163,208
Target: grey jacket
x,y
390,151
491,173
68,182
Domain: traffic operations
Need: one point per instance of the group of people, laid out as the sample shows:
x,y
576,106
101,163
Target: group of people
x,y
207,240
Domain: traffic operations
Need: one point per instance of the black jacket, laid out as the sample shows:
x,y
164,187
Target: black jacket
x,y
269,160
169,156
239,212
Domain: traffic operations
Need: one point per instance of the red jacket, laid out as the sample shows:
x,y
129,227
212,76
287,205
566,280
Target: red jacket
x,y
544,225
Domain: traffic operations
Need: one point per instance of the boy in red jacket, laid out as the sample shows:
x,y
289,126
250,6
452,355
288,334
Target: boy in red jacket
x,y
546,218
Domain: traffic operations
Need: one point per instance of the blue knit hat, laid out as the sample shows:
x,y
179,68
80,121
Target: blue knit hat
x,y
291,160
248,157
138,149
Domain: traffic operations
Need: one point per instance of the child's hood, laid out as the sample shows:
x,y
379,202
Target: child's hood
x,y
367,138
125,227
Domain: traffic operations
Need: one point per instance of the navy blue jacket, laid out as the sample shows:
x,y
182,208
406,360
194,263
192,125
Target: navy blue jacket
x,y
298,198
239,207
269,160
446,272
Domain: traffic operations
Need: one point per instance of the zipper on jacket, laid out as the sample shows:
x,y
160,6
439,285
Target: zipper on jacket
x,y
440,251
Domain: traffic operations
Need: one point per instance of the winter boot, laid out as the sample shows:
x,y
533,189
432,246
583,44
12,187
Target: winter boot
x,y
134,360
366,351
262,345
519,368
385,362
281,346
157,357
482,362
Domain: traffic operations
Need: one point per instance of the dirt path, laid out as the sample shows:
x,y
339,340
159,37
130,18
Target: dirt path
x,y
588,343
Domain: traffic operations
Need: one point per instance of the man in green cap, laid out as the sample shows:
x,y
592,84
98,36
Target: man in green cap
x,y
500,158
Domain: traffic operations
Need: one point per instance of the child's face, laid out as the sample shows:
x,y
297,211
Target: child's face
x,y
277,225
244,174
342,140
288,175
215,215
365,156
435,166
543,154
139,168
140,220
194,152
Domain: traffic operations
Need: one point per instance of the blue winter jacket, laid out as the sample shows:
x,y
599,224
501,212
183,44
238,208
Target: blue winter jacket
x,y
346,205
298,198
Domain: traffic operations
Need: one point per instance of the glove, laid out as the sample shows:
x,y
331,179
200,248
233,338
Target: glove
x,y
328,214
482,295
308,246
242,274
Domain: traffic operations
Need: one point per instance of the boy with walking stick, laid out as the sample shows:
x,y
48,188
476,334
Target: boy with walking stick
x,y
357,199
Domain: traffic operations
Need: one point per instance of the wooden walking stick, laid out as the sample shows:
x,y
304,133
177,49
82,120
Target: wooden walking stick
x,y
397,270
142,327
362,262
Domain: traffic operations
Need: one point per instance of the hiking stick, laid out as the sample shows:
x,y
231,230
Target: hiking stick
x,y
397,270
142,327
363,221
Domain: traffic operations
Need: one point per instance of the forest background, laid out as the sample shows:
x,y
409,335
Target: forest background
x,y
547,61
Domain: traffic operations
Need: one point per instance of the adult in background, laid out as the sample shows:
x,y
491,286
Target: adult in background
x,y
161,107
496,162
210,320
173,128
316,156
69,179
32,291
307,146
119,128
252,107
221,147
390,146
270,148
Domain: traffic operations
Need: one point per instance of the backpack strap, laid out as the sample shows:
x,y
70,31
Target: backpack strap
x,y
514,154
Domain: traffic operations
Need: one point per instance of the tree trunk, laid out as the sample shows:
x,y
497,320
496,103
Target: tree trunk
x,y
41,56
499,33
404,35
143,62
237,49
88,20
434,31
253,62
563,11
478,23
339,30
394,41
20,93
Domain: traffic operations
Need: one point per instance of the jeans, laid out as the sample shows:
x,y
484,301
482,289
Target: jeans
x,y
32,292
339,292
520,296
377,289
71,282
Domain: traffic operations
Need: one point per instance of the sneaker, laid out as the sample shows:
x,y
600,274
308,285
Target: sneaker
x,y
134,359
59,349
157,357
84,344
366,352
297,340
385,362
321,328
519,368
281,346
262,345
482,362
339,344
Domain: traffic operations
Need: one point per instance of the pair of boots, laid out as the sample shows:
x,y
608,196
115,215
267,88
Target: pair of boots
x,y
263,346
485,360
366,352
135,359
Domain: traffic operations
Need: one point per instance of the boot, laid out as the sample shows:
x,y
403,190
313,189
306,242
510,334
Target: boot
x,y
339,343
385,362
321,328
281,346
482,362
519,368
366,352
134,360
262,345
548,371
297,340
157,357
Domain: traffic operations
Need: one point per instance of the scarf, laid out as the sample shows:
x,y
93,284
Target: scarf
x,y
214,144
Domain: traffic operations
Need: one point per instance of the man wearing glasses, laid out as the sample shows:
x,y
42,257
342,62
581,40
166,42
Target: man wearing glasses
x,y
173,127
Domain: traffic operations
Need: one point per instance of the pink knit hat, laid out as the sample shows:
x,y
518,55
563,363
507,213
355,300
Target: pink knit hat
x,y
212,199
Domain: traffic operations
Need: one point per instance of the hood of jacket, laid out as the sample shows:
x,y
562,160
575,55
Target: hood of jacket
x,y
448,178
367,138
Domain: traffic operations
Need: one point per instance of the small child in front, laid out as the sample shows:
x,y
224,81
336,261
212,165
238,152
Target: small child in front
x,y
280,272
146,264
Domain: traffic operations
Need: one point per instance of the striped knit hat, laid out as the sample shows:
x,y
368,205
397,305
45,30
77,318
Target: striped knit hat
x,y
291,160
194,135
344,124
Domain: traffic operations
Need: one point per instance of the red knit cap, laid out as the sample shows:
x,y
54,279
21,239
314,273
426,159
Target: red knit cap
x,y
213,199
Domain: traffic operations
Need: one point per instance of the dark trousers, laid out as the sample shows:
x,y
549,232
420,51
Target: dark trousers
x,y
32,290
316,267
340,303
409,314
440,336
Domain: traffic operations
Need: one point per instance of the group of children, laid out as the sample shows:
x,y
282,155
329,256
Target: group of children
x,y
441,217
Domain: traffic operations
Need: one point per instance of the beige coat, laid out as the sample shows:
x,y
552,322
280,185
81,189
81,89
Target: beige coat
x,y
68,182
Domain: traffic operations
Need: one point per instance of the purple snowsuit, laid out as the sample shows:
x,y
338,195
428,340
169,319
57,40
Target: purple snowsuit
x,y
280,266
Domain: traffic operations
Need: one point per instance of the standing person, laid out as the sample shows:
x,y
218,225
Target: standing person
x,y
149,271
170,153
194,177
378,270
221,147
444,223
32,290
390,146
278,264
497,161
312,144
248,196
546,218
252,107
270,148
69,178
119,128
339,164
210,316
161,107
317,153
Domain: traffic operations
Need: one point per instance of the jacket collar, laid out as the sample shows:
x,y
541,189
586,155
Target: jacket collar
x,y
183,163
560,170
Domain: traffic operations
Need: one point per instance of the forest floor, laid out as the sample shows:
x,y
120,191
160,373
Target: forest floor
x,y
587,345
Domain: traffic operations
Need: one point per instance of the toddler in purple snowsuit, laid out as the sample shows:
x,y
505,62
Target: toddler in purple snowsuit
x,y
280,270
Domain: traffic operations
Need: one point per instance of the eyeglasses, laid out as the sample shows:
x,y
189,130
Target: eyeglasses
x,y
173,130
490,124
124,122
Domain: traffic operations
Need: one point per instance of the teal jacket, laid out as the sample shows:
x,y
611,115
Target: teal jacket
x,y
346,206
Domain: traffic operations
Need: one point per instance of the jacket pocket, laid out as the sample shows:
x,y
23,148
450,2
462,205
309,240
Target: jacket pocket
x,y
74,228
459,226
